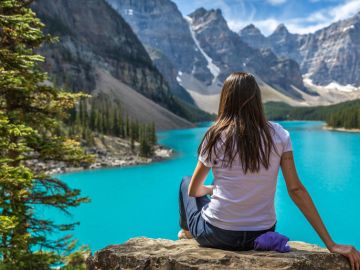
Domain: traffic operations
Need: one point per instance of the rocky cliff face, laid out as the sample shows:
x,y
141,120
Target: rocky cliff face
x,y
229,53
333,53
286,44
170,72
144,253
253,37
281,41
91,33
160,25
328,55
94,39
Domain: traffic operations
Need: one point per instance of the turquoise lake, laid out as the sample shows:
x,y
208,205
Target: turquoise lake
x,y
143,200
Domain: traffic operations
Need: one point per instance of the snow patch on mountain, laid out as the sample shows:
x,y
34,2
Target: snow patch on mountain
x,y
344,88
178,77
332,86
214,69
348,28
330,93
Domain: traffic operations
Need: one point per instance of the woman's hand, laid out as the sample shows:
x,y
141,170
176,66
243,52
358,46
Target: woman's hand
x,y
302,199
210,189
350,252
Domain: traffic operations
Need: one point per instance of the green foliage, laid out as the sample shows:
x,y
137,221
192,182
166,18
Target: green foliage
x,y
31,114
76,260
101,115
147,140
344,114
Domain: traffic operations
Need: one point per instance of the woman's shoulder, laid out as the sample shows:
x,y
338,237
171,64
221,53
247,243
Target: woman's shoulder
x,y
279,130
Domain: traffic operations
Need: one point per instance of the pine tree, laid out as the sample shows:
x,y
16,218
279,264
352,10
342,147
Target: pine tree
x,y
116,126
152,135
146,149
127,127
121,124
31,112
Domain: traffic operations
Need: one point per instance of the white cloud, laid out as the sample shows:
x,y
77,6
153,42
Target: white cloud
x,y
240,13
266,26
347,10
276,2
303,25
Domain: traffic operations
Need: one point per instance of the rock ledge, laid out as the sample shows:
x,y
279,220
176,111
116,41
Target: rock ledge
x,y
146,253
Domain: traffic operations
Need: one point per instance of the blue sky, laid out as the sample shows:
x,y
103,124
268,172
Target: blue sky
x,y
300,16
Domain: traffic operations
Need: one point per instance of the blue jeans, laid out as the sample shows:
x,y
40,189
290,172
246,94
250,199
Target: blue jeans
x,y
206,234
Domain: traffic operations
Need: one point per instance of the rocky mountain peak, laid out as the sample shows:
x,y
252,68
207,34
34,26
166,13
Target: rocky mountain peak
x,y
203,17
200,12
253,37
330,54
229,52
281,29
250,30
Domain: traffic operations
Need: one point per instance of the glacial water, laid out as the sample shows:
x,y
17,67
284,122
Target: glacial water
x,y
143,200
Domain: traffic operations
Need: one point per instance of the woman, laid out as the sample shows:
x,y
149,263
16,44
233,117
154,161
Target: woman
x,y
245,152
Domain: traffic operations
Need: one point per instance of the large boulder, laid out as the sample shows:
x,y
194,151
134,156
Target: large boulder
x,y
145,253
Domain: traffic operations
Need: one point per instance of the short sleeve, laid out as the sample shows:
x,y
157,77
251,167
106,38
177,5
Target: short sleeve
x,y
204,157
287,142
282,137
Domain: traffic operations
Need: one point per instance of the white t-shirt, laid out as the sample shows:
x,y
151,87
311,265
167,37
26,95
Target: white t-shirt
x,y
245,202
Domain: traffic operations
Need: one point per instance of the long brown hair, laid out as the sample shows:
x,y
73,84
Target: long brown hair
x,y
242,120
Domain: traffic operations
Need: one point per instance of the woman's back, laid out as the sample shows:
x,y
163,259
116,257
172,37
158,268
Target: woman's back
x,y
241,207
245,201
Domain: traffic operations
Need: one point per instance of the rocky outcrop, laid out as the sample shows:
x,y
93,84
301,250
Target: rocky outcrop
x,y
144,253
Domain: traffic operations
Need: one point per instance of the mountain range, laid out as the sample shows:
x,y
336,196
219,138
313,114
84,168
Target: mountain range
x,y
329,55
307,69
169,68
98,52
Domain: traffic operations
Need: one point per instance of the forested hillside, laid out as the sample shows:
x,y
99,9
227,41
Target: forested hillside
x,y
102,116
345,114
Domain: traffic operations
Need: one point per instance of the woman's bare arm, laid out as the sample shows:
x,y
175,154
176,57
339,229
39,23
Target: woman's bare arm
x,y
196,187
302,199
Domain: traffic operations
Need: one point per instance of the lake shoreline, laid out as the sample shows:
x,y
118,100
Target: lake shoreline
x,y
108,152
352,130
161,153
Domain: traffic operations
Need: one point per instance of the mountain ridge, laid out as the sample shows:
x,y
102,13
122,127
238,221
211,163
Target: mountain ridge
x,y
144,16
328,55
230,53
93,36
